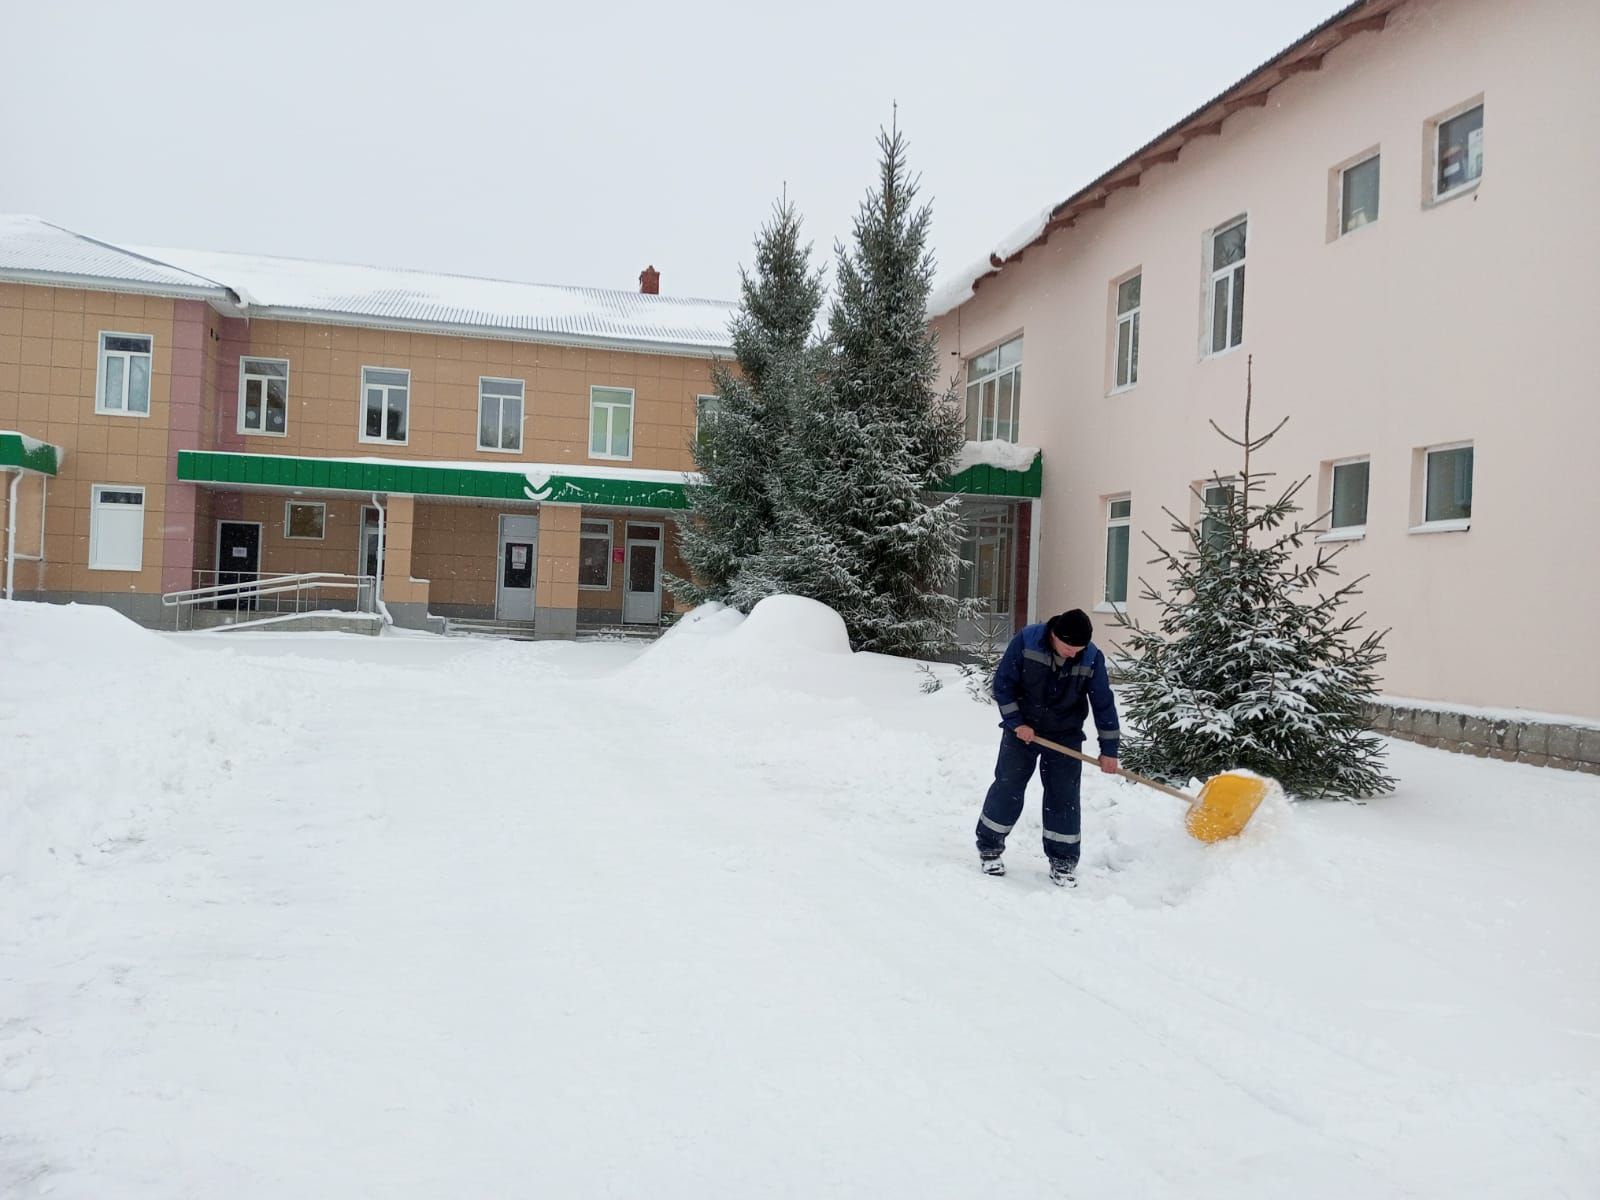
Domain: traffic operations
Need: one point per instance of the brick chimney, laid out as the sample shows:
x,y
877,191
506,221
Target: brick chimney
x,y
650,281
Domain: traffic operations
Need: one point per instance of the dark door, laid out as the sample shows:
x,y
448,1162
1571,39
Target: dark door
x,y
238,559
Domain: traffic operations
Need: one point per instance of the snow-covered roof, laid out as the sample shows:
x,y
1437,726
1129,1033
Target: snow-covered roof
x,y
33,250
299,288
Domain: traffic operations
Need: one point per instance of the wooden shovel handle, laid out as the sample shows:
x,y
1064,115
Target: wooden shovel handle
x,y
1123,771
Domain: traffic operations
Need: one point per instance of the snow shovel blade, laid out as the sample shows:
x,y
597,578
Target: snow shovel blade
x,y
1226,804
1221,810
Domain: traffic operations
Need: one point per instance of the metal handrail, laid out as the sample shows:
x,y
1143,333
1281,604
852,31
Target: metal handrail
x,y
263,585
285,593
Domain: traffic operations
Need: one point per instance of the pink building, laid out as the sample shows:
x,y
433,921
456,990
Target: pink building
x,y
1408,191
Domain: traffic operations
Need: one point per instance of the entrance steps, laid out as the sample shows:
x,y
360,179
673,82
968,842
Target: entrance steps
x,y
488,627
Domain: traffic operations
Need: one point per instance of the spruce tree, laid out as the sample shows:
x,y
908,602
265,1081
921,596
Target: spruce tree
x,y
859,527
1253,665
731,513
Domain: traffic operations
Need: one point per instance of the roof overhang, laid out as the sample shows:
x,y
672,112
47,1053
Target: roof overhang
x,y
19,452
1305,54
130,287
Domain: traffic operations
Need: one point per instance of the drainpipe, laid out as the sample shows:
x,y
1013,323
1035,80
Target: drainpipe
x,y
377,585
11,530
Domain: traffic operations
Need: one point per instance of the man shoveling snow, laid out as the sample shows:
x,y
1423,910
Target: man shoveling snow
x,y
1045,684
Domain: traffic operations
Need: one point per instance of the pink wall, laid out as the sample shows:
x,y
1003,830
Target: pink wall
x,y
1464,320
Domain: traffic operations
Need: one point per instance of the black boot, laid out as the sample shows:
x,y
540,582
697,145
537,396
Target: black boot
x,y
1063,873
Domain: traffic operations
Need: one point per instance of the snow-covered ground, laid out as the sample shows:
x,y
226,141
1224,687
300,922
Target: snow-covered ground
x,y
316,915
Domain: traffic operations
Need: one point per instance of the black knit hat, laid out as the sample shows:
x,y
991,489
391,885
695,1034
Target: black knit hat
x,y
1073,627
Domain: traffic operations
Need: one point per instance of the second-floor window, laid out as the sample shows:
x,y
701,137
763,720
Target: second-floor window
x,y
386,400
706,409
124,374
610,422
1128,299
500,414
1358,195
994,394
1227,285
1458,157
263,395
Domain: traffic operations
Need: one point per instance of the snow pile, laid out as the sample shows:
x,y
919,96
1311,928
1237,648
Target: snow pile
x,y
104,724
787,623
995,453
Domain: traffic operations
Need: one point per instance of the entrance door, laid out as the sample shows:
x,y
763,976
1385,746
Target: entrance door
x,y
641,594
238,559
519,553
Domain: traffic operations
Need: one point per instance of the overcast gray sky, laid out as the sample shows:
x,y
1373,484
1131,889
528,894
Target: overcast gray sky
x,y
576,143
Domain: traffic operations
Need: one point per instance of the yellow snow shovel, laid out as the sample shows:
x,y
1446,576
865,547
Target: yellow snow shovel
x,y
1221,810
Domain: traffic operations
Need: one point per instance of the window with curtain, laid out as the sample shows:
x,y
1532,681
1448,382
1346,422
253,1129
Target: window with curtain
x,y
610,422
264,395
387,400
1128,303
125,374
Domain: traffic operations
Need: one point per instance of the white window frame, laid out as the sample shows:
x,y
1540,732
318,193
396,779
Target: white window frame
x,y
1450,524
500,400
127,357
1132,320
1106,604
699,404
1431,132
94,527
361,412
994,377
1214,275
300,537
1346,533
245,375
610,406
610,546
1377,157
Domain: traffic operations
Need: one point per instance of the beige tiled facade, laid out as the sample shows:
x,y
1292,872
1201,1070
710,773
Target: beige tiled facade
x,y
440,555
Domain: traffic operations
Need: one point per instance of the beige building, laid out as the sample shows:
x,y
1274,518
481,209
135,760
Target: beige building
x,y
198,438
1407,191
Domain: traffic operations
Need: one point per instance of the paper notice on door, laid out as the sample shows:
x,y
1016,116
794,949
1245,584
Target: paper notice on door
x,y
241,552
1475,153
519,558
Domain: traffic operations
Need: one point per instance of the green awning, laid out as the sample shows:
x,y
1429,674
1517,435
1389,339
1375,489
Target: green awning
x,y
981,479
20,452
617,487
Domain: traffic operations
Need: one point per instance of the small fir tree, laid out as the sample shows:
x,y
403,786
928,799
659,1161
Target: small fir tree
x,y
731,513
1252,664
859,526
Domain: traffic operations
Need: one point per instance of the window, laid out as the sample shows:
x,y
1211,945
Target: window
x,y
1213,526
1128,332
610,422
1349,495
986,548
1119,519
116,528
264,396
500,414
1447,487
706,410
1458,152
1227,285
594,556
387,404
994,394
1358,195
304,520
124,387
